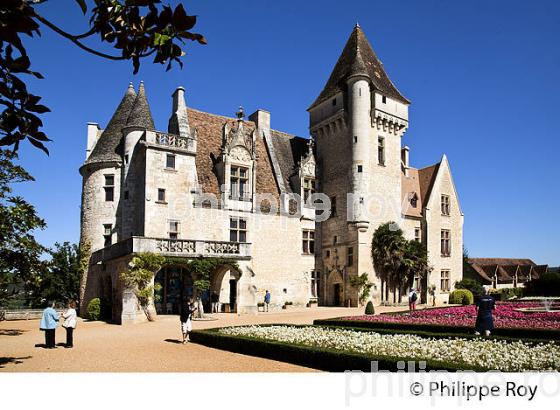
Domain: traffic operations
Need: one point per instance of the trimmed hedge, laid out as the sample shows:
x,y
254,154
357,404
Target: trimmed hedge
x,y
94,309
308,356
461,297
370,310
513,333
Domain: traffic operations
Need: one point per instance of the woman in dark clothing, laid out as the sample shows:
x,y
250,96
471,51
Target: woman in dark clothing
x,y
187,311
484,319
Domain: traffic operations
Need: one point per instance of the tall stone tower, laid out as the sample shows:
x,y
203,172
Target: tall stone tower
x,y
357,121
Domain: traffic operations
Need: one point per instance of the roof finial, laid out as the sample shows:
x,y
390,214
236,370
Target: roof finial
x,y
310,144
240,114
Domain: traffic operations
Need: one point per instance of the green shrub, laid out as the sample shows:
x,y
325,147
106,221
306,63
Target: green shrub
x,y
470,284
461,297
370,309
506,293
94,309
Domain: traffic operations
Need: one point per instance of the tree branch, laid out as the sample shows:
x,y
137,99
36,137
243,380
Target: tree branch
x,y
74,39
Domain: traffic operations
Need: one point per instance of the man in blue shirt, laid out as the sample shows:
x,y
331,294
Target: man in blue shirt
x,y
49,323
484,320
267,300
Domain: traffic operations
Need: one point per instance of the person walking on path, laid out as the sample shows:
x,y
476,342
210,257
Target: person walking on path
x,y
266,300
187,311
484,319
70,322
49,323
412,298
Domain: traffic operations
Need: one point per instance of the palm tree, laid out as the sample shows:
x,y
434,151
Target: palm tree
x,y
387,251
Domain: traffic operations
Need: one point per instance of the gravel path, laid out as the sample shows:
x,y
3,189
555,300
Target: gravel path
x,y
145,347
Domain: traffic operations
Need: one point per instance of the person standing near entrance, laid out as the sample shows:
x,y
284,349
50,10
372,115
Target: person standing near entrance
x,y
70,321
412,298
215,299
187,311
49,323
266,300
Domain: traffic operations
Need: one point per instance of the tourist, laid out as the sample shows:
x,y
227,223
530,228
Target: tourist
x,y
266,300
215,299
49,323
484,319
412,298
187,311
70,321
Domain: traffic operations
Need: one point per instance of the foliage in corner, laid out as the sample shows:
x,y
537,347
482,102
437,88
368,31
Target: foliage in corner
x,y
135,28
139,277
21,264
362,284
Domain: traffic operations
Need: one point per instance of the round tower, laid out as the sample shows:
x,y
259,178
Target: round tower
x,y
359,106
101,176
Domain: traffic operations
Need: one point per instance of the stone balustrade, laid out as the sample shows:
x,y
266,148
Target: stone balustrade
x,y
173,247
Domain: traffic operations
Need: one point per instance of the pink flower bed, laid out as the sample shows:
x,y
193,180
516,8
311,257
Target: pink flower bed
x,y
505,316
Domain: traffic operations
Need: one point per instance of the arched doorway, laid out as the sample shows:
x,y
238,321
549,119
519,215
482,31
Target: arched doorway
x,y
224,288
176,286
335,289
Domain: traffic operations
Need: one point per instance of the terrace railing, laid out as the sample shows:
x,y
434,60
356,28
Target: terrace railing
x,y
188,248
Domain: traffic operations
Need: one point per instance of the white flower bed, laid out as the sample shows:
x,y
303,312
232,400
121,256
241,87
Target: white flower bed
x,y
490,354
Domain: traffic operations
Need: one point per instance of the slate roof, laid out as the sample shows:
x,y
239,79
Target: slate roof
x,y
358,58
140,115
289,150
108,143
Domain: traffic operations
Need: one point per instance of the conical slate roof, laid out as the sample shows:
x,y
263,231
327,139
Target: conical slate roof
x,y
358,58
106,147
141,116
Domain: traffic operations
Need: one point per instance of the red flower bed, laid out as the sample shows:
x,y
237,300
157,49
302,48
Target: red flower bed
x,y
506,315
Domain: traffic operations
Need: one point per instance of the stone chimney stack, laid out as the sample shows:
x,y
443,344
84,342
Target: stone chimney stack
x,y
261,118
405,154
92,137
179,121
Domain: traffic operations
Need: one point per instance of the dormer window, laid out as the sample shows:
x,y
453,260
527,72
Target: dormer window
x,y
308,188
413,200
239,183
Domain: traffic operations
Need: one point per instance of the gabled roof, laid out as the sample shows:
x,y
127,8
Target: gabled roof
x,y
209,128
140,115
419,182
289,150
358,58
506,269
107,145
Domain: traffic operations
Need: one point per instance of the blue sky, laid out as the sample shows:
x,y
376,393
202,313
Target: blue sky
x,y
483,77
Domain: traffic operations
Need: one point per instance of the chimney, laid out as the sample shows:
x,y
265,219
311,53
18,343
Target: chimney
x,y
92,136
261,118
179,121
405,154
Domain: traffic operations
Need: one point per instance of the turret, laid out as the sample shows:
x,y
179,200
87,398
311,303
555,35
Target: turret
x,y
139,121
359,106
179,120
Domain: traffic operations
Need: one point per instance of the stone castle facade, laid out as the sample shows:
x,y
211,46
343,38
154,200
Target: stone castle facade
x,y
296,215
